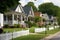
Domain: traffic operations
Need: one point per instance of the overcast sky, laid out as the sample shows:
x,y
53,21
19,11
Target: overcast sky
x,y
38,2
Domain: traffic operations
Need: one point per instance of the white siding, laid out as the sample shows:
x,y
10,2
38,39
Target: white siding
x,y
18,9
1,20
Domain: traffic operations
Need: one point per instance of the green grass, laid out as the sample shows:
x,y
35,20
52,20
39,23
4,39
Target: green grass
x,y
13,29
37,36
30,37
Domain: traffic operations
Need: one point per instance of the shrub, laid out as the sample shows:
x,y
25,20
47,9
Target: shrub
x,y
6,26
34,24
32,30
16,25
29,23
1,30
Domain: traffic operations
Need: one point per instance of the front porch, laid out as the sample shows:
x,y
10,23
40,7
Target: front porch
x,y
12,18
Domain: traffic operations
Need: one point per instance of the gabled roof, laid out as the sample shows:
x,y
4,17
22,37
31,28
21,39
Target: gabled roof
x,y
17,8
27,9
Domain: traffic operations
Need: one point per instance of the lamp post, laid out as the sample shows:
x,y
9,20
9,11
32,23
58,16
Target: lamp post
x,y
45,29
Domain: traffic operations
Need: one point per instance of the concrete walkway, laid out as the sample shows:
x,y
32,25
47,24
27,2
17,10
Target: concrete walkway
x,y
53,37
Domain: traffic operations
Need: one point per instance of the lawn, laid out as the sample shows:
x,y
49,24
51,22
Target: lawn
x,y
13,29
30,37
37,36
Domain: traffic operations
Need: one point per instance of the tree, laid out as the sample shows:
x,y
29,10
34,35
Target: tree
x,y
37,20
32,5
48,8
58,16
5,4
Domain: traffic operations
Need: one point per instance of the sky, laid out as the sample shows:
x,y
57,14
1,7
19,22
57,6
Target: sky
x,y
38,2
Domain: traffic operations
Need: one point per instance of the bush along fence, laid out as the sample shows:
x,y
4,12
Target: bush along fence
x,y
8,36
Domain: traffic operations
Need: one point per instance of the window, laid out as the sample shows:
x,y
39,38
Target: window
x,y
15,17
5,17
9,17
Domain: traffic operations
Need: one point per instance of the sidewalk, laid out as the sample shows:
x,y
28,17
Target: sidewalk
x,y
51,36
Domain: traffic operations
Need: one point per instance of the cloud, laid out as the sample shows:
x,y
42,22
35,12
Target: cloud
x,y
46,1
38,2
56,2
23,2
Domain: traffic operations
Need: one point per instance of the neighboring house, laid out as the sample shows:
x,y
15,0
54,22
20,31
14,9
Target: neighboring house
x,y
29,12
45,18
14,16
39,14
53,20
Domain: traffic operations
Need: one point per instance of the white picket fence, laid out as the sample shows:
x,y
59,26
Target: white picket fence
x,y
44,29
8,36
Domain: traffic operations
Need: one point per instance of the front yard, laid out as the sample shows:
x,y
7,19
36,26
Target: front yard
x,y
37,36
13,29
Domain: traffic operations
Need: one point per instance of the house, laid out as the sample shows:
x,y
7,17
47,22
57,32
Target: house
x,y
17,15
53,20
39,14
14,16
1,20
45,18
29,12
49,19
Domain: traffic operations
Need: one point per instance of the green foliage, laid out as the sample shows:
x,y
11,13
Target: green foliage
x,y
32,29
34,25
32,5
16,25
48,8
13,29
37,19
6,26
29,23
58,16
6,4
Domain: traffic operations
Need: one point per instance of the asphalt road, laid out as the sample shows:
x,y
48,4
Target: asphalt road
x,y
56,37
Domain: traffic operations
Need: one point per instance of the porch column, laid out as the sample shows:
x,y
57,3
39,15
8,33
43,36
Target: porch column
x,y
27,18
21,18
24,18
17,20
12,19
6,19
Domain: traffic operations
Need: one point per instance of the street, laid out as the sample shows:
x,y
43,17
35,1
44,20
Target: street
x,y
56,37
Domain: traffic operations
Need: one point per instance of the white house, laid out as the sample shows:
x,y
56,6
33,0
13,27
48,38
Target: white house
x,y
1,20
18,14
29,12
14,16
